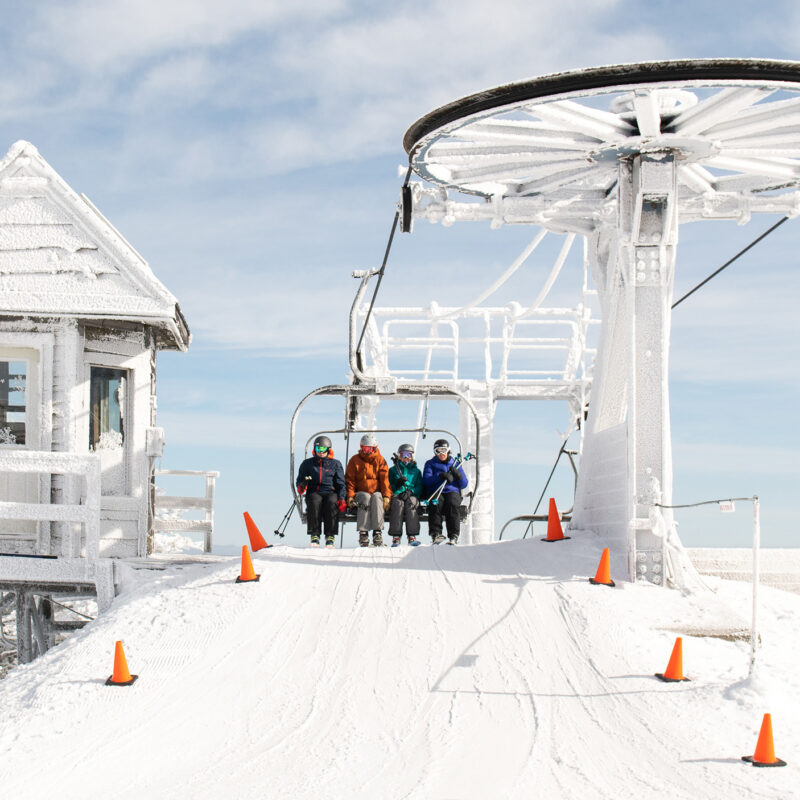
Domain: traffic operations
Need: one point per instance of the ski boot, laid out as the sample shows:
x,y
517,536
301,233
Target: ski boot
x,y
377,539
363,539
330,542
413,541
452,539
438,539
395,541
315,540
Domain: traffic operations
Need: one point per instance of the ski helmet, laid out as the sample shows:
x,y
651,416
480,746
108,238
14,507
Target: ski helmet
x,y
406,448
369,440
440,443
322,441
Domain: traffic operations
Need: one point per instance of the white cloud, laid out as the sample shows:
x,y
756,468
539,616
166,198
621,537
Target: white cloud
x,y
224,428
287,314
113,35
303,84
737,459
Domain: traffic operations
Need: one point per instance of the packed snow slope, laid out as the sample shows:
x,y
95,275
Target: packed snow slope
x,y
487,671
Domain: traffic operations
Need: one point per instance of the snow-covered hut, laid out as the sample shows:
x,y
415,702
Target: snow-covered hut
x,y
82,318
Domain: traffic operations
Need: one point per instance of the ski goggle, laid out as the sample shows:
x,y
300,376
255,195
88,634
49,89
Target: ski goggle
x,y
406,454
366,448
440,450
321,448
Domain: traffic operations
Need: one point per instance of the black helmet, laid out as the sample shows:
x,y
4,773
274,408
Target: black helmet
x,y
440,443
322,441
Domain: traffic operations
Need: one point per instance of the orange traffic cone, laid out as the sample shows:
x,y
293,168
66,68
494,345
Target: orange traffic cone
x,y
603,575
120,676
554,531
674,671
248,573
765,748
256,539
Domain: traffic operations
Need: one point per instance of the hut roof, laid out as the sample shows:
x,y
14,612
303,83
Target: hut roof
x,y
60,257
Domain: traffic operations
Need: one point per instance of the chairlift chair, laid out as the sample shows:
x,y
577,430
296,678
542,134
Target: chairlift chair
x,y
350,392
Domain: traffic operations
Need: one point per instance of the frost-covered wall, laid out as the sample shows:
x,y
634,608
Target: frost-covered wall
x,y
81,319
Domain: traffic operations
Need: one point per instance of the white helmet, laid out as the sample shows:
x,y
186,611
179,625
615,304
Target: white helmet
x,y
369,440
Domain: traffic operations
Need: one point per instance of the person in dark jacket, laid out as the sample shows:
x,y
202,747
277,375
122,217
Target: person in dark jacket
x,y
321,479
442,469
406,482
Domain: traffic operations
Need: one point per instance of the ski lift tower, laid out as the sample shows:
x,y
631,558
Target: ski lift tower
x,y
620,155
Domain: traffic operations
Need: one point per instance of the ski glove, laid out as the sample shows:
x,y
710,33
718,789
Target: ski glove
x,y
448,476
342,506
386,501
301,489
351,502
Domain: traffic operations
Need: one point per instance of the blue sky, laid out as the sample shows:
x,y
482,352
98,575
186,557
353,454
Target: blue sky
x,y
249,150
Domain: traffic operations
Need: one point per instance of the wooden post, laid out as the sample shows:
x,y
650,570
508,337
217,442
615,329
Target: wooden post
x,y
24,643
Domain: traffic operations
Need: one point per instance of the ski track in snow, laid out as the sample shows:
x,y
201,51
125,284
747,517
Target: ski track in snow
x,y
432,672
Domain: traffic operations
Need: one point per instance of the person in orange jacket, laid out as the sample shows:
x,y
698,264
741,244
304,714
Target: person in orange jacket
x,y
367,487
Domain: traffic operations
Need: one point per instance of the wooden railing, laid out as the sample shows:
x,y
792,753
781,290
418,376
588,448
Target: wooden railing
x,y
86,512
167,503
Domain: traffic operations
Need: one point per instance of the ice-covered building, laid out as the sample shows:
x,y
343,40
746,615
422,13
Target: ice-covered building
x,y
82,318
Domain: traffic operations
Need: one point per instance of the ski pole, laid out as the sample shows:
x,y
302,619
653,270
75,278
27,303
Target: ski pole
x,y
281,529
407,485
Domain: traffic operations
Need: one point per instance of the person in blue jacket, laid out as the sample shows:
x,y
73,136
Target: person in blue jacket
x,y
405,480
321,479
438,470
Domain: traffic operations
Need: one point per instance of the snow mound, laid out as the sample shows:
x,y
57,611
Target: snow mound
x,y
170,542
490,671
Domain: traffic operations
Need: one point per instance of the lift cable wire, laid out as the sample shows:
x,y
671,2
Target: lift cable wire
x,y
730,261
382,269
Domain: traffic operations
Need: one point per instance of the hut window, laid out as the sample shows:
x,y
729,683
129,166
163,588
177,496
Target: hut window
x,y
13,383
107,417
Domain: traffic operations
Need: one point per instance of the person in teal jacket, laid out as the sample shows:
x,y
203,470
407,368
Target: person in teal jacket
x,y
405,480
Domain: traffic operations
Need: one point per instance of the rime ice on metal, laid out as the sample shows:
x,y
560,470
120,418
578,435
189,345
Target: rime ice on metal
x,y
82,318
621,156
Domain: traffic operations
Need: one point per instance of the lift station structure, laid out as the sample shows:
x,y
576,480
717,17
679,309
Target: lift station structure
x,y
618,156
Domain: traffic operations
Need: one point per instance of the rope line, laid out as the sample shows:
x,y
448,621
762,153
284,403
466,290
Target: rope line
x,y
710,502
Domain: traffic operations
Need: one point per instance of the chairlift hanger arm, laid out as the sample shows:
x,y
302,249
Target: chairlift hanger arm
x,y
382,270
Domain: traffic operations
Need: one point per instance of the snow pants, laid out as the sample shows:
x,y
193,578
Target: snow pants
x,y
404,508
446,509
321,510
369,513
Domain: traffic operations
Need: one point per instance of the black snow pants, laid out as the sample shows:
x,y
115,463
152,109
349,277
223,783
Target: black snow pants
x,y
321,510
404,507
448,509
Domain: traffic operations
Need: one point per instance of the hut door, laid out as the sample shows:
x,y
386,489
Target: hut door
x,y
20,399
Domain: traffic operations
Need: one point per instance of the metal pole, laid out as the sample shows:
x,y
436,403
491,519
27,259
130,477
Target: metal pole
x,y
756,546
